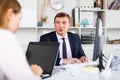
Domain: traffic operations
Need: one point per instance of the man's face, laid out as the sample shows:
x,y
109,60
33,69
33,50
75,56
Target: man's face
x,y
61,25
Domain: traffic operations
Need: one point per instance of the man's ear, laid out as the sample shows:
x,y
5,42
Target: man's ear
x,y
9,13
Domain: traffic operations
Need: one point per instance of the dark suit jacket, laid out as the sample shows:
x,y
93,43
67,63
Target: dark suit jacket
x,y
75,43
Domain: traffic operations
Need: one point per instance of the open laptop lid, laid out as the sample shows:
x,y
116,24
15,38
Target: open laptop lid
x,y
43,54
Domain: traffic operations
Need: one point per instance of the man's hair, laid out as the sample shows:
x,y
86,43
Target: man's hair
x,y
62,14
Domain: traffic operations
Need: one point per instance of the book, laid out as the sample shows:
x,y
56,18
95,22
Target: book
x,y
76,16
115,5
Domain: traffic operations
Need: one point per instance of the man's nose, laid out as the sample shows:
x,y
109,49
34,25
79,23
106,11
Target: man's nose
x,y
61,25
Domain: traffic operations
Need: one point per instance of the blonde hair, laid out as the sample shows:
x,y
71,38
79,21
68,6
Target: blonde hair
x,y
4,6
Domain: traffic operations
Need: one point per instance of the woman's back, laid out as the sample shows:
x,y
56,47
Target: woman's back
x,y
13,62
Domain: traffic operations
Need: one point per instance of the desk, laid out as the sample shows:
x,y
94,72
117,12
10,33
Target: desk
x,y
64,74
60,74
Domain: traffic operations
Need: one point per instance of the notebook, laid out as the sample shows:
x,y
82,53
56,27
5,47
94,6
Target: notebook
x,y
43,54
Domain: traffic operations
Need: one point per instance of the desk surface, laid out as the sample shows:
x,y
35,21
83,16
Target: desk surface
x,y
66,74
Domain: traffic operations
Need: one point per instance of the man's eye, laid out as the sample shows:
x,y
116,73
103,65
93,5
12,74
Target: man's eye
x,y
57,22
64,22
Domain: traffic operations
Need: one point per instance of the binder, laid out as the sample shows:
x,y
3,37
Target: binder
x,y
114,4
76,16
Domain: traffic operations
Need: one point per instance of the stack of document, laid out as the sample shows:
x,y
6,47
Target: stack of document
x,y
90,67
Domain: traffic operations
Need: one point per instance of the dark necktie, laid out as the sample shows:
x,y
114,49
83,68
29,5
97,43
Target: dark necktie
x,y
64,48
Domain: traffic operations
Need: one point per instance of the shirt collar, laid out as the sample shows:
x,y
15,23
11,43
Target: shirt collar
x,y
60,37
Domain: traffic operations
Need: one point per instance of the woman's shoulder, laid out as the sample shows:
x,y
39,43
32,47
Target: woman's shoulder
x,y
7,37
6,33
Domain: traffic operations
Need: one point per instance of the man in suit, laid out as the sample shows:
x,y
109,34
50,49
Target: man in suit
x,y
74,51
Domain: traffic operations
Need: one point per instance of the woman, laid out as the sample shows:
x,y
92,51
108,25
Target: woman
x,y
13,63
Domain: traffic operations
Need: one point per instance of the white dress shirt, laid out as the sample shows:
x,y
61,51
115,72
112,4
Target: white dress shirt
x,y
13,62
69,54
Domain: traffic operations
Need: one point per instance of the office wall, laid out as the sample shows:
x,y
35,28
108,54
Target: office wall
x,y
68,6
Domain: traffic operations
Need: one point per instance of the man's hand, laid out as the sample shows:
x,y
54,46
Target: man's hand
x,y
70,61
83,59
37,70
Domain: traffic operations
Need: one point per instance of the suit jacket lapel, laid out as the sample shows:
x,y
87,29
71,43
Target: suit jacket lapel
x,y
53,37
71,44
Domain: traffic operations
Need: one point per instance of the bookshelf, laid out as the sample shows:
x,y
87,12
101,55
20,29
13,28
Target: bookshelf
x,y
110,23
30,31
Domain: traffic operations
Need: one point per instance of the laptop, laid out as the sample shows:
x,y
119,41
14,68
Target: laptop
x,y
44,54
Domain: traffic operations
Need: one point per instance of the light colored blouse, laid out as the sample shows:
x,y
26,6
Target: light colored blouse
x,y
13,61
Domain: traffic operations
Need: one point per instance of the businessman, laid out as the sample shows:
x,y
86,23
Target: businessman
x,y
70,49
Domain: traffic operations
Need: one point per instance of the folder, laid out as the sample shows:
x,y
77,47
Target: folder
x,y
76,16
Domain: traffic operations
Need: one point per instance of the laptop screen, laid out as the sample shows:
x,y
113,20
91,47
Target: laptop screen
x,y
43,54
